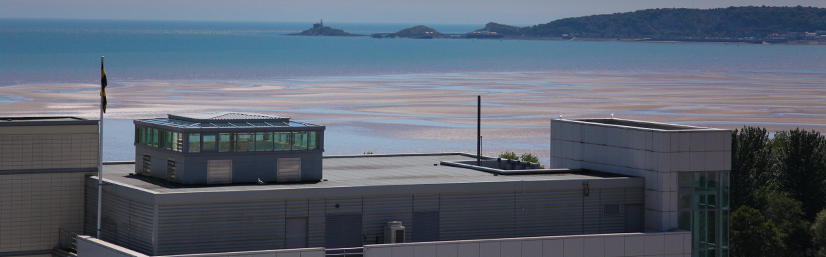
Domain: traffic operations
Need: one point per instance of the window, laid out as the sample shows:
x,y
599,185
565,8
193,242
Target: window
x,y
244,142
210,143
703,209
300,140
153,134
226,142
194,142
312,144
282,140
263,141
138,135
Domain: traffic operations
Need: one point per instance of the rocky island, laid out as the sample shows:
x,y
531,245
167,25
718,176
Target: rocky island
x,y
418,32
319,29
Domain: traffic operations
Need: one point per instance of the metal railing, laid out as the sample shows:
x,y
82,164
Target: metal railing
x,y
345,252
67,240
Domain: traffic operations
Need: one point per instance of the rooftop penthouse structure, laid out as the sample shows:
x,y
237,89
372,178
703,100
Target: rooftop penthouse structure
x,y
228,147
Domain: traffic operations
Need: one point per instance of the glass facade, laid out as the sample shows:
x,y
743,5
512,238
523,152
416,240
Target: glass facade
x,y
227,142
704,210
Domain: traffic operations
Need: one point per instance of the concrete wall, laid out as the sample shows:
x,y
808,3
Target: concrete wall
x,y
91,247
48,147
42,171
669,244
658,152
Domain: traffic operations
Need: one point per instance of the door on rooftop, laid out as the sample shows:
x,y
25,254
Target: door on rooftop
x,y
296,232
634,217
425,226
343,230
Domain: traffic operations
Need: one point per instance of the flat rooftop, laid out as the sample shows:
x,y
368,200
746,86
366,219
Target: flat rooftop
x,y
364,172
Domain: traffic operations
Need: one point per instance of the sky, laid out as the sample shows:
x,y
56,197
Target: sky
x,y
514,12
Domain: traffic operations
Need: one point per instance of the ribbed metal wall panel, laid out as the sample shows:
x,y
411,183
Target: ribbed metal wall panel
x,y
344,205
220,227
591,211
90,216
426,227
428,202
298,208
317,222
343,230
476,216
612,223
544,213
125,222
380,210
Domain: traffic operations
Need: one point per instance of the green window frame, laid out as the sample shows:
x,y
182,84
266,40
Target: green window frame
x,y
210,143
312,142
194,142
282,141
244,142
226,142
263,141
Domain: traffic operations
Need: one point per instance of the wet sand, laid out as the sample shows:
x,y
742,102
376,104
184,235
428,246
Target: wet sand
x,y
441,107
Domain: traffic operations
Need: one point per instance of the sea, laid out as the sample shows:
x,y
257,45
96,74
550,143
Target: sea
x,y
38,51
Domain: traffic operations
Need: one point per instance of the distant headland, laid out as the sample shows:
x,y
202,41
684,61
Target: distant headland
x,y
749,24
319,29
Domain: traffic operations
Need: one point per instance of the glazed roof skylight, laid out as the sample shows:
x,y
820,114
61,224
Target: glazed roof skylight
x,y
225,120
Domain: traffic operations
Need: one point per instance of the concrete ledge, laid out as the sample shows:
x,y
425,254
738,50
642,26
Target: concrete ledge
x,y
92,247
506,172
619,244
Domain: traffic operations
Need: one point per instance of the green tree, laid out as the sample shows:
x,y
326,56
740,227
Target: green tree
x,y
750,165
508,155
753,235
801,167
526,157
819,232
788,216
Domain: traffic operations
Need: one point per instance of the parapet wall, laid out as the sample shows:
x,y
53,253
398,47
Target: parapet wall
x,y
671,244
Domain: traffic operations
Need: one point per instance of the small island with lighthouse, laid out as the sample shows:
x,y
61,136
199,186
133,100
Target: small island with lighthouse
x,y
319,29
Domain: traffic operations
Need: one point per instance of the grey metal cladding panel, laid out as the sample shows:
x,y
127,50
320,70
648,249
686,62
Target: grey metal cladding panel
x,y
345,205
343,230
379,210
635,195
425,226
612,223
425,202
126,222
298,208
492,216
317,222
544,213
592,210
221,227
90,213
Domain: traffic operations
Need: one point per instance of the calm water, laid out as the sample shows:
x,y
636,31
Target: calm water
x,y
68,51
53,51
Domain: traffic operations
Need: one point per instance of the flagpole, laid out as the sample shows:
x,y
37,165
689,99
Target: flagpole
x,y
100,149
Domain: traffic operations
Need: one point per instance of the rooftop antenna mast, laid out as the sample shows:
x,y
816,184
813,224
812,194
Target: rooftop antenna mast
x,y
479,130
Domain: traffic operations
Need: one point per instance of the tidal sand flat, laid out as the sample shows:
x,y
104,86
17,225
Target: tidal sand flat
x,y
437,112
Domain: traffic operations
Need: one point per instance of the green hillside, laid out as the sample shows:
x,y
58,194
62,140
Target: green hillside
x,y
724,22
731,22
